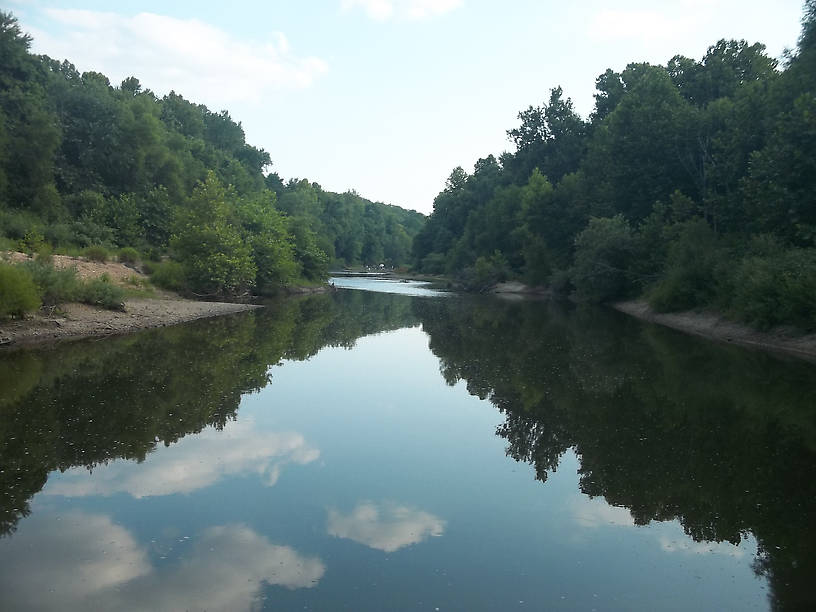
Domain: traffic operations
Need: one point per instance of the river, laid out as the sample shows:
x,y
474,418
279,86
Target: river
x,y
388,447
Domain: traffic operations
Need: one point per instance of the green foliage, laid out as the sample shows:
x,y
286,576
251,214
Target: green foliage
x,y
776,289
95,164
215,259
18,293
690,277
166,274
603,254
54,285
433,263
129,255
314,263
660,192
96,253
486,272
32,242
103,293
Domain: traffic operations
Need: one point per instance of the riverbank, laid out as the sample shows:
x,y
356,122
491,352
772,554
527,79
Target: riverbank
x,y
704,324
715,327
74,321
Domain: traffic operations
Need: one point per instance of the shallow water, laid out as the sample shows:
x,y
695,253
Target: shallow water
x,y
372,451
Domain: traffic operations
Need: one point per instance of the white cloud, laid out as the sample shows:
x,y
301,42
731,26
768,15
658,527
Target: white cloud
x,y
198,60
51,562
86,562
193,463
593,513
405,10
386,527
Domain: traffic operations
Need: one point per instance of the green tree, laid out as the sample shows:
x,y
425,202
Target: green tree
x,y
216,260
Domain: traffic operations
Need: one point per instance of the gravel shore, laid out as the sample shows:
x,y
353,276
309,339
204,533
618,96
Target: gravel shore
x,y
81,321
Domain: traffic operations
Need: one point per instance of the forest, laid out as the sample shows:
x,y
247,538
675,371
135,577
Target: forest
x,y
88,166
692,185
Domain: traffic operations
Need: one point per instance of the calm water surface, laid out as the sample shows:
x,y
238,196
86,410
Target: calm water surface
x,y
373,451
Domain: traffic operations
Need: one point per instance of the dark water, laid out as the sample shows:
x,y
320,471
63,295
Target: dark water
x,y
370,451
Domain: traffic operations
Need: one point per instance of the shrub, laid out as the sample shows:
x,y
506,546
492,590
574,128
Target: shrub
x,y
776,289
60,234
96,253
167,275
102,292
87,233
54,285
486,272
689,279
128,255
32,242
18,293
15,224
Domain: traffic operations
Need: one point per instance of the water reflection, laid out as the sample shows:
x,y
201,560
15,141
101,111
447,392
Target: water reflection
x,y
85,561
666,427
192,463
84,405
387,527
717,446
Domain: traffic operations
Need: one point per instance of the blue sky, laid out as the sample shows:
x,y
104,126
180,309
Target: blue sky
x,y
386,96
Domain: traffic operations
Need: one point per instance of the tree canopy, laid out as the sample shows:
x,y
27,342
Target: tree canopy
x,y
599,205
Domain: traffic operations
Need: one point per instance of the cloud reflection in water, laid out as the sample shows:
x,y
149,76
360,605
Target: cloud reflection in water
x,y
387,527
87,562
193,463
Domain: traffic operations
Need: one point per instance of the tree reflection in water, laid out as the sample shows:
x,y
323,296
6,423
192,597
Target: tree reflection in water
x,y
667,426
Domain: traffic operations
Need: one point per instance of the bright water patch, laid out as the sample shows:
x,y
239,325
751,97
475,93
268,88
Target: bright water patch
x,y
380,285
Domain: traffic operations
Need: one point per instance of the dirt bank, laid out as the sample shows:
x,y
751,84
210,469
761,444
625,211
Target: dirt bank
x,y
81,321
715,327
119,273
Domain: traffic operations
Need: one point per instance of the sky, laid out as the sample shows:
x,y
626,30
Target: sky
x,y
386,97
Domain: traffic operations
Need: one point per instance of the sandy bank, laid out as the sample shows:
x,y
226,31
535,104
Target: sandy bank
x,y
715,327
81,321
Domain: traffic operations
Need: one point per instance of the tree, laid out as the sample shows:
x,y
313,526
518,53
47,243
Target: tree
x,y
603,253
216,260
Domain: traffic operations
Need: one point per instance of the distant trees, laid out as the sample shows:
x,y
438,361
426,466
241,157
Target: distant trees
x,y
84,162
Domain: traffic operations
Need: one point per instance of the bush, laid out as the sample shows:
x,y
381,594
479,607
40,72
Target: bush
x,y
129,255
776,289
18,293
96,253
690,279
32,242
54,285
15,223
102,292
167,275
486,272
60,234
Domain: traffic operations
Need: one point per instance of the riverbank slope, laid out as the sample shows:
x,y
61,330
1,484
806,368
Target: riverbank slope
x,y
74,321
715,327
155,308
